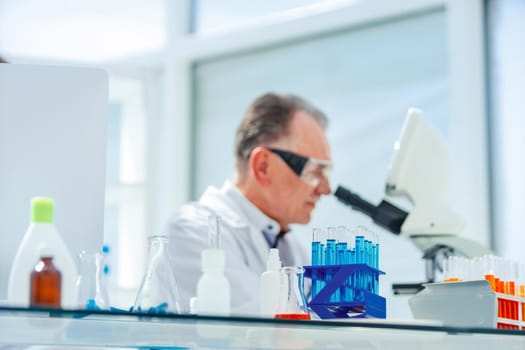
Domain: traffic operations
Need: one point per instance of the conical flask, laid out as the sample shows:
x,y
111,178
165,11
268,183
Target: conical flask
x,y
293,302
91,282
158,291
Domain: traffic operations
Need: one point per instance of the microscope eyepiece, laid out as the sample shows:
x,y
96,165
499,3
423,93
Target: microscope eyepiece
x,y
385,214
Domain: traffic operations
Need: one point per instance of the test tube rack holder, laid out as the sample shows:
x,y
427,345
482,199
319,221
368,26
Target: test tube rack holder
x,y
511,311
363,303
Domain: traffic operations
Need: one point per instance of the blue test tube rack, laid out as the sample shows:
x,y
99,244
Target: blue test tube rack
x,y
360,285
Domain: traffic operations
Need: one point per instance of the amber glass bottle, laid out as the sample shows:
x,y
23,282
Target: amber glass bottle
x,y
46,284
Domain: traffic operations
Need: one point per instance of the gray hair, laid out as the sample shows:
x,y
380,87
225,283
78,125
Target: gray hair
x,y
266,120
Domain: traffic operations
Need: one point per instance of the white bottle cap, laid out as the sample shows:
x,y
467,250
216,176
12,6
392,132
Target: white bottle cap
x,y
274,262
212,260
46,251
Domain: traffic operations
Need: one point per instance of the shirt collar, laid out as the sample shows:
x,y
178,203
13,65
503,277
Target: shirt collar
x,y
253,214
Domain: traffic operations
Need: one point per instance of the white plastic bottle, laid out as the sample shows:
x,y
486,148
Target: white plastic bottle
x,y
213,289
41,235
271,285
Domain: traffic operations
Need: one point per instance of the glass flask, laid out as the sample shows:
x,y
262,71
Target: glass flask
x,y
91,282
293,302
158,291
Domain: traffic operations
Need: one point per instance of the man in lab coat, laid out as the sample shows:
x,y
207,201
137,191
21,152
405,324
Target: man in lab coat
x,y
282,160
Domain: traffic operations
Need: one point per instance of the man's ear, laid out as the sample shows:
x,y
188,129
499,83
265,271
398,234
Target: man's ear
x,y
260,166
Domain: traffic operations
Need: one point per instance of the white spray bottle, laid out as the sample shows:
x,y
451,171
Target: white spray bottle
x,y
271,285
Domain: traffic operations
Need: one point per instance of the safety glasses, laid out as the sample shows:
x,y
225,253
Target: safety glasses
x,y
310,170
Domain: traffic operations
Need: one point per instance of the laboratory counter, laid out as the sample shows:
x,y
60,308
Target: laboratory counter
x,y
61,329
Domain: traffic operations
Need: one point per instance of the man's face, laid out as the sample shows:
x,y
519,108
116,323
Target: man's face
x,y
294,197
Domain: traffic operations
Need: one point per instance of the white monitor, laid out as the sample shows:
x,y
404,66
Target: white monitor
x,y
53,123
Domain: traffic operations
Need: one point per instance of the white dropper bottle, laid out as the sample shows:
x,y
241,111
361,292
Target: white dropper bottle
x,y
213,289
271,285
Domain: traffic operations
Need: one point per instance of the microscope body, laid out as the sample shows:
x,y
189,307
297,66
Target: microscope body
x,y
419,172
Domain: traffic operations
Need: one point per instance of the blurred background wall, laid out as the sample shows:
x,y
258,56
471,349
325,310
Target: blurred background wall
x,y
183,71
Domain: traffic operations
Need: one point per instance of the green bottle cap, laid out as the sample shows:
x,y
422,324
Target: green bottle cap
x,y
42,210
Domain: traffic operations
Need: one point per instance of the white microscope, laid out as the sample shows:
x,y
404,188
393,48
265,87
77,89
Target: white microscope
x,y
419,172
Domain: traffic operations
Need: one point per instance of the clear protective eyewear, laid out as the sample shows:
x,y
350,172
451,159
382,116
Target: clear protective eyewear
x,y
310,170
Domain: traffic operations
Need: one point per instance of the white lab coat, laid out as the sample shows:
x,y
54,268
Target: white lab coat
x,y
245,246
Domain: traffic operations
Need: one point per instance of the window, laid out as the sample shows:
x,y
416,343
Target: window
x,y
213,17
125,214
507,73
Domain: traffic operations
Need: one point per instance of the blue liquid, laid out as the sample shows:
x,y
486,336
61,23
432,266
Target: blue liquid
x,y
322,261
316,261
376,265
316,253
330,260
368,277
351,281
359,259
368,252
341,253
351,256
359,249
341,259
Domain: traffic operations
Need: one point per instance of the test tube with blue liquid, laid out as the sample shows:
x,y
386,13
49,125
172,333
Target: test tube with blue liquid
x,y
342,258
359,258
317,259
330,258
376,264
368,260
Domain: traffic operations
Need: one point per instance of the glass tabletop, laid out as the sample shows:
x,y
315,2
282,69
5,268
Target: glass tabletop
x,y
118,329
